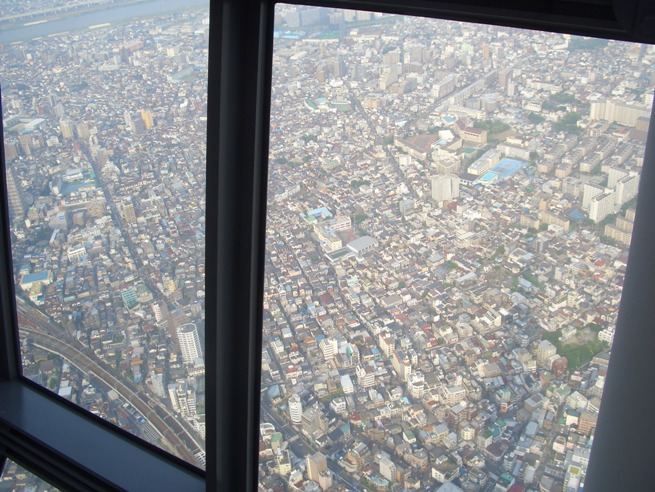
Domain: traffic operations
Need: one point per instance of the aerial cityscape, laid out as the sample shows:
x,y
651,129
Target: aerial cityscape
x,y
105,131
450,209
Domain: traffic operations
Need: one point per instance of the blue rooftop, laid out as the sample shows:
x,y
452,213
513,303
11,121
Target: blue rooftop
x,y
507,167
320,212
35,277
575,214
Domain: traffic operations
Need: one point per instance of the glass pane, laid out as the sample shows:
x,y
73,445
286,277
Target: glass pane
x,y
105,120
15,478
450,209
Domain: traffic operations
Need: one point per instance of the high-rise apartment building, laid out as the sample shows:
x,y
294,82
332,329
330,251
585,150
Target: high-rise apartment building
x,y
387,468
626,189
129,212
147,118
157,382
314,423
590,191
82,130
182,398
187,336
316,463
601,206
66,128
618,111
295,409
15,199
445,187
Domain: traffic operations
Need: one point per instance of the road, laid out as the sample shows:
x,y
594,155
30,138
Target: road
x,y
391,158
124,228
49,337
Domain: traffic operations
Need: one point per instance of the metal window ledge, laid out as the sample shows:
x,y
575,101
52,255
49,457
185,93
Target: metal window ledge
x,y
76,452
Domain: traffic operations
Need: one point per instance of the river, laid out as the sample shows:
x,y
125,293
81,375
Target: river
x,y
112,15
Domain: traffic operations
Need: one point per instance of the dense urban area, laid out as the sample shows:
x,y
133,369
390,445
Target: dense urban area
x,y
450,210
105,133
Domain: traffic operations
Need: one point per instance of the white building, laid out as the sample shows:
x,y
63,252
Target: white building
x,y
387,468
187,336
157,381
601,206
342,223
626,189
329,348
589,192
365,376
606,335
295,409
545,350
416,384
445,187
618,111
76,252
338,405
182,398
363,244
347,384
485,162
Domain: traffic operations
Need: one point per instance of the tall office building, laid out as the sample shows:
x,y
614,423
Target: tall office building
x,y
388,76
11,151
134,122
25,141
314,424
187,336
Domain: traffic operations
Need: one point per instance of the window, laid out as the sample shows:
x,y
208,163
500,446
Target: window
x,y
238,107
105,127
430,311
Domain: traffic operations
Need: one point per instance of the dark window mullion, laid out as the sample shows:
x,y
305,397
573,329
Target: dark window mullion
x,y
592,18
238,112
622,454
9,346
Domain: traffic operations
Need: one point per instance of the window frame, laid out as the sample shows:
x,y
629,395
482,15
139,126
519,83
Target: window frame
x,y
239,88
